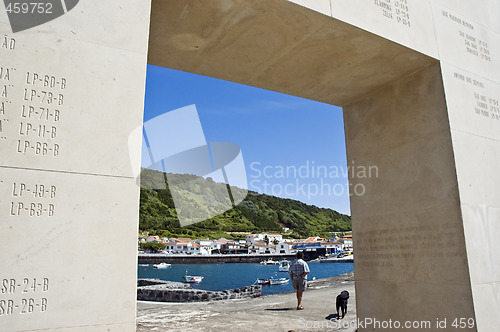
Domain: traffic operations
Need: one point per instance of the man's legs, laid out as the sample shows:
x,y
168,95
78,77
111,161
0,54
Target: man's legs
x,y
299,297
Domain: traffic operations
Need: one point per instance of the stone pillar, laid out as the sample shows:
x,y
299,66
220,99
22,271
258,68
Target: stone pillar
x,y
71,93
410,254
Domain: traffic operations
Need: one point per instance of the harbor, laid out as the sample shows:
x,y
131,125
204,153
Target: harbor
x,y
210,259
267,313
220,277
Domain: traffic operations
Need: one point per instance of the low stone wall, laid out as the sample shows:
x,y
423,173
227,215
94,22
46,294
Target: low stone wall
x,y
164,283
165,293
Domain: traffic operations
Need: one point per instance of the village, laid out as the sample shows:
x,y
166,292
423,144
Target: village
x,y
262,243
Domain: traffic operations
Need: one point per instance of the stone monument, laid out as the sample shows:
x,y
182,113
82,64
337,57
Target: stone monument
x,y
71,92
419,84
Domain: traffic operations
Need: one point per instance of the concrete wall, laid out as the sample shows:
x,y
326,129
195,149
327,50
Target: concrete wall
x,y
411,260
72,92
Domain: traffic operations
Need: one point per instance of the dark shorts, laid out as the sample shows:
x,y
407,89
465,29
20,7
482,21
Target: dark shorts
x,y
299,283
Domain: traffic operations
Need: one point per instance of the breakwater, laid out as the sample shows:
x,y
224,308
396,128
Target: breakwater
x,y
337,260
164,291
209,259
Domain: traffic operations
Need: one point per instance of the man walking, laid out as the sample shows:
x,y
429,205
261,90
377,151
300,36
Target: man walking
x,y
298,273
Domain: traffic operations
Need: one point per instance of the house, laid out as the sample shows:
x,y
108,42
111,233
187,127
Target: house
x,y
314,239
253,237
181,247
334,238
262,248
311,243
209,246
262,236
332,247
194,248
258,247
270,249
273,236
283,248
233,247
153,238
169,247
346,240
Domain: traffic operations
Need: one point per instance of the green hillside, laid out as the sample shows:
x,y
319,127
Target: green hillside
x,y
257,213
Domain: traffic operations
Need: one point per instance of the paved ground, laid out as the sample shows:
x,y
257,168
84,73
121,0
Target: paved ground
x,y
267,313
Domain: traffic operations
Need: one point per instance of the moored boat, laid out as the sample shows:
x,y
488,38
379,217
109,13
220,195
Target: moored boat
x,y
284,266
162,266
263,281
278,281
192,279
269,262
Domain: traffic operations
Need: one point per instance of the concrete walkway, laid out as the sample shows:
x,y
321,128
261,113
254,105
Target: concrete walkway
x,y
267,313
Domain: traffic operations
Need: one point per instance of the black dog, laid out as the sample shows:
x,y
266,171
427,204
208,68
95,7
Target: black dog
x,y
342,303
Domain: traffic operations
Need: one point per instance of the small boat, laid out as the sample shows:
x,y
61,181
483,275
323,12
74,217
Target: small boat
x,y
192,279
278,281
263,281
284,266
269,262
162,266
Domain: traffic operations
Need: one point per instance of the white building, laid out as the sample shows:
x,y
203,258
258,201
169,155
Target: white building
x,y
332,247
260,248
283,248
194,248
346,240
189,248
260,237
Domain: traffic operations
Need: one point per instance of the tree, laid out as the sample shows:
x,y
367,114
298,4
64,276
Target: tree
x,y
152,246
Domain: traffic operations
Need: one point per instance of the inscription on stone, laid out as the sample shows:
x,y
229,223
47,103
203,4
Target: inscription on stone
x,y
396,10
467,44
23,296
33,200
472,43
31,108
485,104
8,43
384,247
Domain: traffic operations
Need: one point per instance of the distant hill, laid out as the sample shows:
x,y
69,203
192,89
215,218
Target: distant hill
x,y
256,213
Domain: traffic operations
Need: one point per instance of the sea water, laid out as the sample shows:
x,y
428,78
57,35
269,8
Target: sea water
x,y
219,277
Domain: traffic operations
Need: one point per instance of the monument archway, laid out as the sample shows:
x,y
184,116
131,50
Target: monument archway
x,y
411,226
418,82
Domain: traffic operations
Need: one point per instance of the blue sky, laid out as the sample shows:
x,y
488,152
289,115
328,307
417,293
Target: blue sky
x,y
284,140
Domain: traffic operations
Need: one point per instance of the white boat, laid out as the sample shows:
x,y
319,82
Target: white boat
x,y
278,281
284,266
269,262
263,281
192,279
162,265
